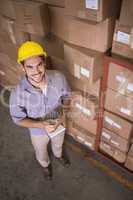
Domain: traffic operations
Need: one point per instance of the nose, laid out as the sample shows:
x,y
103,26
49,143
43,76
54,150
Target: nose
x,y
37,70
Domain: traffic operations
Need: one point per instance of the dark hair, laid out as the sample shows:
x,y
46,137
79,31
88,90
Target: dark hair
x,y
41,56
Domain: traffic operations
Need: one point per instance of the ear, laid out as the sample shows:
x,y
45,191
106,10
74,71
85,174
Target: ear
x,y
22,67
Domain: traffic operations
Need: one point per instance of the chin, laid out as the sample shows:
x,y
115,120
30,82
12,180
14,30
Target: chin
x,y
37,80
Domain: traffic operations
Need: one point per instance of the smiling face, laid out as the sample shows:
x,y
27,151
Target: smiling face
x,y
34,68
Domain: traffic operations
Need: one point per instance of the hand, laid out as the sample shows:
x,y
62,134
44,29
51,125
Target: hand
x,y
47,126
60,121
50,128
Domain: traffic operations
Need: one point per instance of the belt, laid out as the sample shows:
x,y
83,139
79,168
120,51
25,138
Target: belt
x,y
53,115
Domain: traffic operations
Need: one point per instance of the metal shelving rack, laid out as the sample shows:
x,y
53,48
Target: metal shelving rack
x,y
107,60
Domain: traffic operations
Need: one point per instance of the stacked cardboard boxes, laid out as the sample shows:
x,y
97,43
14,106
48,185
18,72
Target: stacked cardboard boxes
x,y
81,116
29,16
96,10
18,19
85,42
10,38
123,36
119,96
81,135
118,117
82,32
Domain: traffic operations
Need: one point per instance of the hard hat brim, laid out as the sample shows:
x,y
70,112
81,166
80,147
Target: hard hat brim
x,y
32,55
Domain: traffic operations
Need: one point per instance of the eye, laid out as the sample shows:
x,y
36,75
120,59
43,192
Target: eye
x,y
40,64
29,66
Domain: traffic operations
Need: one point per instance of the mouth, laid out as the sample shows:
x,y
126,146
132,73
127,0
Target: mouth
x,y
37,75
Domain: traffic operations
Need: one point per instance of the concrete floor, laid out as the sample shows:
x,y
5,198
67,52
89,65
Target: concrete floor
x,y
21,177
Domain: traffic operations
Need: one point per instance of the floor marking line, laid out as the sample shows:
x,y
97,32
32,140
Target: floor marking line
x,y
102,166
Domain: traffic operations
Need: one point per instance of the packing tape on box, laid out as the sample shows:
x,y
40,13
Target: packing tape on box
x,y
115,143
123,79
111,122
117,125
83,109
106,135
88,144
125,111
108,120
2,73
11,31
80,138
106,146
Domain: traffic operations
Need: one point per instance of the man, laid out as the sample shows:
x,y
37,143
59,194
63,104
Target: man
x,y
36,104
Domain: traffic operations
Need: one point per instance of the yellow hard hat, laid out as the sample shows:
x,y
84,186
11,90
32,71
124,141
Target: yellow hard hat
x,y
29,49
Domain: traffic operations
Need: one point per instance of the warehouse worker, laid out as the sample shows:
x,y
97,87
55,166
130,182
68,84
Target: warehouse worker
x,y
36,104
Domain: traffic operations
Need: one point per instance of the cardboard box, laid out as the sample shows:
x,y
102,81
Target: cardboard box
x,y
115,140
8,47
32,17
118,125
119,104
126,14
84,64
9,77
12,32
6,81
107,148
113,152
84,104
129,163
75,83
10,72
130,153
59,64
96,10
81,112
60,3
79,85
7,9
81,135
120,79
92,36
9,63
81,119
11,37
123,41
55,47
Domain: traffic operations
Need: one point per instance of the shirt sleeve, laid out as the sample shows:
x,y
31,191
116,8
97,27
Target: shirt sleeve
x,y
17,111
66,90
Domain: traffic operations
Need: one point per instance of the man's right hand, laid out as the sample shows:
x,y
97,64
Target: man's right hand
x,y
30,123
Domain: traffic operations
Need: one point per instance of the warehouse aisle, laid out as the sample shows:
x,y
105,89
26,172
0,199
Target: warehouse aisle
x,y
21,177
